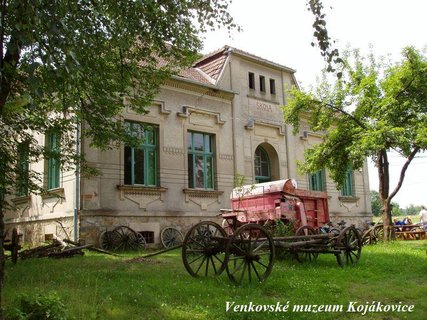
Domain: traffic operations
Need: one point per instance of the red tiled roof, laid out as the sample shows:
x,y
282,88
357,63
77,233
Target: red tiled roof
x,y
195,75
213,64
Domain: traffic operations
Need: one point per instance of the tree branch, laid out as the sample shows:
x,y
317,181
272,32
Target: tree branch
x,y
403,172
343,112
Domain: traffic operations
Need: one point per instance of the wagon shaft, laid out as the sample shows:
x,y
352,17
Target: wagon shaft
x,y
296,244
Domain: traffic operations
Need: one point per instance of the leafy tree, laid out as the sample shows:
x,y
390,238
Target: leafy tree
x,y
375,203
395,209
412,210
322,39
372,109
64,63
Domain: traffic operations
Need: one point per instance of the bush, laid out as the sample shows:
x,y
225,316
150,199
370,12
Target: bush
x,y
39,307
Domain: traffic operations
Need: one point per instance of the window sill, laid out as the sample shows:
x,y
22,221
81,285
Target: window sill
x,y
19,200
53,193
202,192
348,198
131,188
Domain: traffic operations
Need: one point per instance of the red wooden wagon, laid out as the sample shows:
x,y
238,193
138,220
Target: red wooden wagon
x,y
244,246
267,202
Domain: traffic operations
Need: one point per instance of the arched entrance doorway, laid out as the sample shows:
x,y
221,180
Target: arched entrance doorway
x,y
266,164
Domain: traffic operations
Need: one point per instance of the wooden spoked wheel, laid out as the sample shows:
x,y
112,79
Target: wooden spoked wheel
x,y
202,249
107,240
128,239
350,243
249,254
303,256
171,237
14,245
122,238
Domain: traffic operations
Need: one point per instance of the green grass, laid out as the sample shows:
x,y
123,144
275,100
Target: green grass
x,y
97,286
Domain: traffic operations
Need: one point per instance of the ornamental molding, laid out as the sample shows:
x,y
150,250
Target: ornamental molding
x,y
173,151
226,156
142,196
349,202
187,111
202,198
250,125
51,198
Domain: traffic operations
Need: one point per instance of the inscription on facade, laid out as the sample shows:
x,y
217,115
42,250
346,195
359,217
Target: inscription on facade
x,y
265,111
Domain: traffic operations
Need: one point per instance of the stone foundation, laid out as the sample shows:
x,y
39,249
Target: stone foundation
x,y
36,232
361,220
92,224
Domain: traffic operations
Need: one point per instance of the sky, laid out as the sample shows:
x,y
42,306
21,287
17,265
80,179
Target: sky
x,y
281,31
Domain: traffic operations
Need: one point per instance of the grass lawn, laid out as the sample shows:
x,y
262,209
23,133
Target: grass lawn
x,y
97,286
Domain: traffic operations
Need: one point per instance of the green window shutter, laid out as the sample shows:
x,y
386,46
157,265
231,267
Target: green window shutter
x,y
141,160
23,170
317,181
201,150
262,165
53,174
348,186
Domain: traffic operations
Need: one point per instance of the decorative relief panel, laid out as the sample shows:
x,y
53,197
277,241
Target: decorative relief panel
x,y
22,205
158,107
173,151
201,116
203,198
142,196
226,156
265,111
52,198
349,202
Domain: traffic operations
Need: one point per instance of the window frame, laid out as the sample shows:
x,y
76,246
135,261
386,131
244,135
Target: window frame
x,y
23,170
317,181
206,155
262,83
150,176
272,86
347,189
53,140
251,80
262,178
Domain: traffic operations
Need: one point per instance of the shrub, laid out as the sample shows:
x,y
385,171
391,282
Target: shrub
x,y
39,307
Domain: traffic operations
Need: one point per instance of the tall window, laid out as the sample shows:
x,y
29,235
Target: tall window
x,y
348,186
200,160
272,86
251,80
262,166
53,166
23,170
317,181
262,83
141,160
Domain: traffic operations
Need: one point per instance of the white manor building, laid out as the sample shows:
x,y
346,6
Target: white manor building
x,y
219,119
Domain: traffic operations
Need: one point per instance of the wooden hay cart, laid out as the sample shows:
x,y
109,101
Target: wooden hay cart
x,y
244,245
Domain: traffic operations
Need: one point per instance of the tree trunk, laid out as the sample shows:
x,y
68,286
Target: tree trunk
x,y
384,187
387,221
2,257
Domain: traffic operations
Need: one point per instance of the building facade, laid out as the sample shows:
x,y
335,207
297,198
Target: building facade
x,y
213,123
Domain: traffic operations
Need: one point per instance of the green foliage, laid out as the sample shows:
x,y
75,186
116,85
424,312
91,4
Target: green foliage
x,y
375,203
412,210
373,108
395,209
281,229
39,306
69,62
